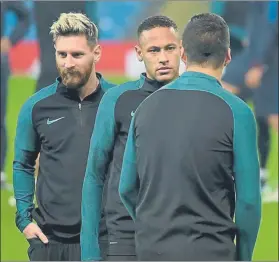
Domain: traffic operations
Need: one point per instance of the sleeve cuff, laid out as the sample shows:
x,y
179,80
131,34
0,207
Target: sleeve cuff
x,y
24,224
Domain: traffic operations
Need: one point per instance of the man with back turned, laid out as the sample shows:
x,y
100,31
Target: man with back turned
x,y
191,160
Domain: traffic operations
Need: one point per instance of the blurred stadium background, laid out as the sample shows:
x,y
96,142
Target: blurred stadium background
x,y
117,22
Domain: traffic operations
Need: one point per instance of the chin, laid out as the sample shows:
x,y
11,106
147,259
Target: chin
x,y
165,78
69,83
72,85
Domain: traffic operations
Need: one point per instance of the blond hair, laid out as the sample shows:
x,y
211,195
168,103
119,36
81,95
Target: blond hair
x,y
74,24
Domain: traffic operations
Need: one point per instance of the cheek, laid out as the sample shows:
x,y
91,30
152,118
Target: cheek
x,y
176,57
89,62
60,68
84,65
150,65
152,59
59,63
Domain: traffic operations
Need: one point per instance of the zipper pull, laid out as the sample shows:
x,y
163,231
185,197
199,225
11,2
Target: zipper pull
x,y
79,106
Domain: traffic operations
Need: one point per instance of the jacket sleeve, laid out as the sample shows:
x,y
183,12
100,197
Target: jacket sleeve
x,y
99,158
128,180
247,181
26,151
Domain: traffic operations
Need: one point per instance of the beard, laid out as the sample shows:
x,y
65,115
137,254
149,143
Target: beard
x,y
74,79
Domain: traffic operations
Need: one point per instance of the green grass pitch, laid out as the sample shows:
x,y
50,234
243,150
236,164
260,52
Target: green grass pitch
x,y
14,246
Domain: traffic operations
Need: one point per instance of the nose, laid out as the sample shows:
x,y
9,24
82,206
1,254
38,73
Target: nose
x,y
163,57
69,62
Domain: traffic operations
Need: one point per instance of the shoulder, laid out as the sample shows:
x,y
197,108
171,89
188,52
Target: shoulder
x,y
237,105
38,96
106,85
115,92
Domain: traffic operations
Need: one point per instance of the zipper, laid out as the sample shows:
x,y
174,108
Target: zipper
x,y
79,107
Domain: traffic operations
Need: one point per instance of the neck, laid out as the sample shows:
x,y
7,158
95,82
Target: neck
x,y
162,83
217,73
89,87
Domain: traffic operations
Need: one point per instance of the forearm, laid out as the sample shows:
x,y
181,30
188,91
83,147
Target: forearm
x,y
127,201
24,188
128,189
247,180
247,219
91,215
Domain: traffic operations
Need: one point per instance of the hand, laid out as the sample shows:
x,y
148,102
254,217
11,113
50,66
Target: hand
x,y
231,88
37,166
33,231
5,45
245,42
254,76
273,121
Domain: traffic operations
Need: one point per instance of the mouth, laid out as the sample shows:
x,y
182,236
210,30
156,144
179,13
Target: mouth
x,y
69,75
164,70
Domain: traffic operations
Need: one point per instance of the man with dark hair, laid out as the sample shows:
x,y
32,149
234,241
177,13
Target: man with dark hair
x,y
191,148
159,47
154,22
7,42
57,122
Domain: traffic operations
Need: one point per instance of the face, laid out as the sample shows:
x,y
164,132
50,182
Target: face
x,y
160,49
75,60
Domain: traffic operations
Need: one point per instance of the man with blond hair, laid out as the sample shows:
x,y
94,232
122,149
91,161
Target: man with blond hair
x,y
57,123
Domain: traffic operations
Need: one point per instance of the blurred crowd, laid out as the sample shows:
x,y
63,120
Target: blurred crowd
x,y
253,73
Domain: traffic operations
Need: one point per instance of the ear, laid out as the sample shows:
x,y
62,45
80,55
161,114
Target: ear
x,y
184,57
228,58
55,49
181,49
97,51
138,53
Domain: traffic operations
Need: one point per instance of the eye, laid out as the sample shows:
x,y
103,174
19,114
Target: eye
x,y
170,48
77,55
62,54
154,50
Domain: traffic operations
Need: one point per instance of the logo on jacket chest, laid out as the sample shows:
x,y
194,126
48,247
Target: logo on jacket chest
x,y
51,121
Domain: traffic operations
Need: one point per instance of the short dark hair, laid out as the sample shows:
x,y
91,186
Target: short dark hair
x,y
156,21
206,40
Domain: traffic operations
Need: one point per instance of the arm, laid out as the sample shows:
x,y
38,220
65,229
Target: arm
x,y
266,51
247,181
262,25
128,180
26,150
22,26
99,158
271,42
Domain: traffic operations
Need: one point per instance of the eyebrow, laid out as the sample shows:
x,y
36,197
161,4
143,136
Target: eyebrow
x,y
158,47
72,52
